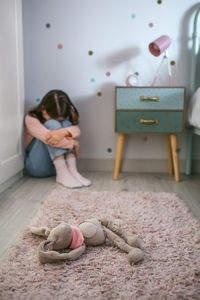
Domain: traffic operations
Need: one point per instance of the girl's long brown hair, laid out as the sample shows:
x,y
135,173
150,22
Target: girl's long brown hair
x,y
57,104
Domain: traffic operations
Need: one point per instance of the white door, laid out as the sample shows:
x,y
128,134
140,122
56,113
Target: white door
x,y
11,89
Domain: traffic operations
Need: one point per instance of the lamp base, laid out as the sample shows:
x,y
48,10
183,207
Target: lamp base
x,y
165,57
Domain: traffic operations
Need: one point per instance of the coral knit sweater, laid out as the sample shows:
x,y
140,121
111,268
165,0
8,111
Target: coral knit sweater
x,y
35,129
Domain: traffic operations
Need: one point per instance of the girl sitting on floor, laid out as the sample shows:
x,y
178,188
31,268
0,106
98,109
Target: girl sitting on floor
x,y
51,130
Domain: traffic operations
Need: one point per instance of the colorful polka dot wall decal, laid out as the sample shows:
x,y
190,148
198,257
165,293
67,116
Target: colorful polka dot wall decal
x,y
136,73
159,1
145,139
178,150
37,100
108,74
60,46
92,79
172,63
133,16
48,25
90,52
99,94
109,150
150,24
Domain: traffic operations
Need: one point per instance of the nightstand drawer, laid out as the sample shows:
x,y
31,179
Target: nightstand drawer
x,y
150,98
149,121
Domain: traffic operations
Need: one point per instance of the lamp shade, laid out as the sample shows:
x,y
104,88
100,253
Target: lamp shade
x,y
159,45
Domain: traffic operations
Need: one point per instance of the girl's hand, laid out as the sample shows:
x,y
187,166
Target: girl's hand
x,y
53,137
77,147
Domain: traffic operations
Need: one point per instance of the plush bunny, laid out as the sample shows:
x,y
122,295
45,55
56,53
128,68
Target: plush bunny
x,y
92,232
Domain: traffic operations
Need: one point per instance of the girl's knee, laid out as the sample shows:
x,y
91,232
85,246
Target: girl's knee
x,y
52,124
66,123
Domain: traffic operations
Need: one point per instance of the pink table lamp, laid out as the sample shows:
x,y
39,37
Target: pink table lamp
x,y
156,48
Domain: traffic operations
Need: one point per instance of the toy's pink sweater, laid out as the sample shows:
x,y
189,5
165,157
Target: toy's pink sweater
x,y
33,128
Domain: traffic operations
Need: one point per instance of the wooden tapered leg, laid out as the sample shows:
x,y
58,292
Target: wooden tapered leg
x,y
189,137
169,150
174,145
118,155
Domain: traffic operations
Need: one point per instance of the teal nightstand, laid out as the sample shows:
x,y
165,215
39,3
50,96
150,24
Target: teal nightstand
x,y
150,110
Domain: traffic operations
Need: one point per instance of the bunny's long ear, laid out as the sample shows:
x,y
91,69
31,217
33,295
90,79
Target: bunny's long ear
x,y
46,256
42,231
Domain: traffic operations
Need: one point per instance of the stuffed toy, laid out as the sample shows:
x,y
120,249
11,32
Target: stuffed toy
x,y
92,232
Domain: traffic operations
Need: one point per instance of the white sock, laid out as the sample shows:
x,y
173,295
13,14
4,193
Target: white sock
x,y
71,164
63,176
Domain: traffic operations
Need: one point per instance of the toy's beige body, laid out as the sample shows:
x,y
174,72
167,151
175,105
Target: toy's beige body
x,y
95,232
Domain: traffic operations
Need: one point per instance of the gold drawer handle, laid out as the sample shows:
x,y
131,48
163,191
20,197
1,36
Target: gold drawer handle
x,y
142,98
142,121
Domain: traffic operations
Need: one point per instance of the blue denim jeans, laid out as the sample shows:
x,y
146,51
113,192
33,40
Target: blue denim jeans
x,y
39,156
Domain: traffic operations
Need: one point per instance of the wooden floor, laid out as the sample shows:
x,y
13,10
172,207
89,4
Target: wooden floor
x,y
19,203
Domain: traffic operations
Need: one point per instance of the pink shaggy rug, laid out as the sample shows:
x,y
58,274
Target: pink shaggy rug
x,y
170,269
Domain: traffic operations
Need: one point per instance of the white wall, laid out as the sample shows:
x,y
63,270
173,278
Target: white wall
x,y
120,46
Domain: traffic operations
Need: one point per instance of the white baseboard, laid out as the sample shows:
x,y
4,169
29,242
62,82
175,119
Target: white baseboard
x,y
10,181
133,165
